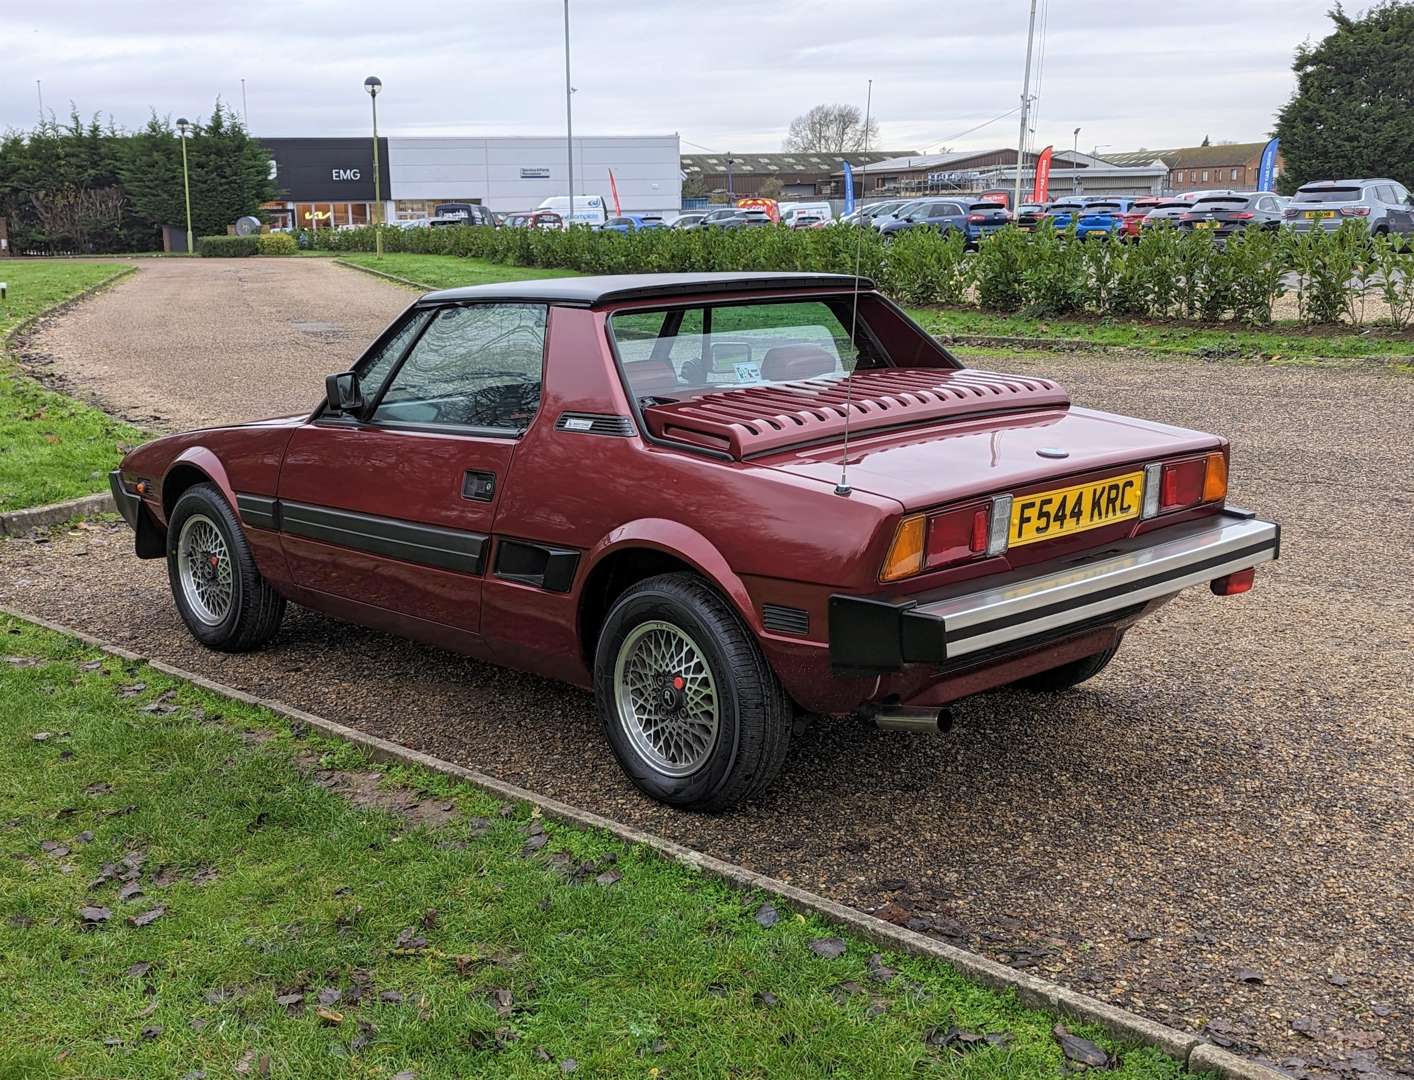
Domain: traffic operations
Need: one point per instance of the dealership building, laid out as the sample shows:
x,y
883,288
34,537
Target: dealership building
x,y
328,183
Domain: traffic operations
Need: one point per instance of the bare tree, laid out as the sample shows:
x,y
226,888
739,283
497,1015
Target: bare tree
x,y
830,129
70,216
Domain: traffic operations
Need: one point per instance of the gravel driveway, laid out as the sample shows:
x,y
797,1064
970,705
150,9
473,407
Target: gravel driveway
x,y
1217,832
187,343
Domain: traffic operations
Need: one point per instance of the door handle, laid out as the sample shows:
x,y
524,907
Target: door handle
x,y
479,486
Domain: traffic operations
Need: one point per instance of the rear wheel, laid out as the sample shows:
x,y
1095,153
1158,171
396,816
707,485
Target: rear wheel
x,y
689,704
1071,674
218,590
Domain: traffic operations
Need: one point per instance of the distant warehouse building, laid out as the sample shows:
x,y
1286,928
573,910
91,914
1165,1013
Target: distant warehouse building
x,y
975,171
328,182
784,175
1218,165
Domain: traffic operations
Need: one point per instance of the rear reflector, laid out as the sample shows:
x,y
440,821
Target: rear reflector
x,y
905,556
1215,479
1233,584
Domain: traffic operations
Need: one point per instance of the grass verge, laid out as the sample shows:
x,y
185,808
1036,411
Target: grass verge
x,y
1280,342
449,271
52,447
187,883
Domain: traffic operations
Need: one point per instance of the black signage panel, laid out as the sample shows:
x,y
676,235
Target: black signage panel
x,y
328,170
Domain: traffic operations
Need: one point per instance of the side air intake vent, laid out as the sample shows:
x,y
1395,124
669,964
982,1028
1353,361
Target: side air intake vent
x,y
595,424
785,620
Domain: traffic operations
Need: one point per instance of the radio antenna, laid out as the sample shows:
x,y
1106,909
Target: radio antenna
x,y
842,488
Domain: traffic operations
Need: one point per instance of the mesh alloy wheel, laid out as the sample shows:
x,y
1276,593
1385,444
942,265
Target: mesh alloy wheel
x,y
204,565
666,698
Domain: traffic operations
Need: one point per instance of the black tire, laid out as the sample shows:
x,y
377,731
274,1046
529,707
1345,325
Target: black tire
x,y
1071,674
754,715
252,615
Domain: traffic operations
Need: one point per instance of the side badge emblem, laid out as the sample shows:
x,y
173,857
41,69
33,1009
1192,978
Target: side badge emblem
x,y
1053,452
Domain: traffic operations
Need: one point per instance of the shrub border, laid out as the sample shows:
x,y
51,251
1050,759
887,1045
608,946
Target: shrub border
x,y
1188,1049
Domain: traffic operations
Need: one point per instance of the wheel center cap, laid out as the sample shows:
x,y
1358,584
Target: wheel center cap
x,y
672,692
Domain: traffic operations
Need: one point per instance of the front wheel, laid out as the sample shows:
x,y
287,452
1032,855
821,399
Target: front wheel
x,y
690,706
218,590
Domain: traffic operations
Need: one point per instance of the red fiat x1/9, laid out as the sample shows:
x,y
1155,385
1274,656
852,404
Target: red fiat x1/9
x,y
715,499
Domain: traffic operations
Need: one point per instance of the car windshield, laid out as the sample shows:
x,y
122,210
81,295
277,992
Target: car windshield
x,y
1221,202
908,208
686,352
1102,207
1329,194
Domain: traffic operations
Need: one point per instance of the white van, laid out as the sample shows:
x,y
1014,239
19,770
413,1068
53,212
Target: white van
x,y
588,209
821,210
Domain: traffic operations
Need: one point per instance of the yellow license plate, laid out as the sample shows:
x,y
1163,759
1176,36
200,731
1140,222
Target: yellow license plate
x,y
1314,215
1206,224
1066,511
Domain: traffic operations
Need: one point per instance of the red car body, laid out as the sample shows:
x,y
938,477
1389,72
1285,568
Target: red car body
x,y
1133,219
513,549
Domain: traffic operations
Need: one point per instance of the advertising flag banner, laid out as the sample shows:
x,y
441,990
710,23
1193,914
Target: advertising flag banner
x,y
614,191
848,189
1267,170
1041,192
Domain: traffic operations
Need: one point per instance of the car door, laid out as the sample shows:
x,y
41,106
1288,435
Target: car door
x,y
394,507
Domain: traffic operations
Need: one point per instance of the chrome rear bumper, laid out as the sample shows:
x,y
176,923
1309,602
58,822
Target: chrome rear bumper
x,y
886,633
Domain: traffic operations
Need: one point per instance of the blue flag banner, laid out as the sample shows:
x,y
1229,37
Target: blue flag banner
x,y
1267,171
848,189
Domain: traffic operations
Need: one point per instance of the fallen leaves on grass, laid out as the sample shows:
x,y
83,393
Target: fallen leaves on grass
x,y
94,916
829,948
147,918
1080,1051
608,877
878,970
767,915
409,940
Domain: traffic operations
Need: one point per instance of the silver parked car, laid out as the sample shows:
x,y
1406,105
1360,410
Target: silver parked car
x,y
1223,215
1384,205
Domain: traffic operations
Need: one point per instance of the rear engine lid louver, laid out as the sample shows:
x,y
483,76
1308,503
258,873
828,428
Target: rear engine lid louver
x,y
760,419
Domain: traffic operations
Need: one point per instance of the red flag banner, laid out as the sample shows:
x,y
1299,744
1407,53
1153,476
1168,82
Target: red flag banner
x,y
614,191
1041,192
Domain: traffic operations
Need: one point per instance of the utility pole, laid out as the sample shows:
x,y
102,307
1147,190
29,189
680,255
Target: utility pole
x,y
1025,107
569,114
39,89
245,109
1074,164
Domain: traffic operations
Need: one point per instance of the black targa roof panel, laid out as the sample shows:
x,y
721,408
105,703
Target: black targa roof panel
x,y
591,291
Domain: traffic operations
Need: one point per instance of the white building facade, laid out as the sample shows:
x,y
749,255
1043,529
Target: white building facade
x,y
518,173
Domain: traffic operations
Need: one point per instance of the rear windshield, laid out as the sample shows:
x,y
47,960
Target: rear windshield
x,y
1221,202
1330,194
1103,206
987,206
686,352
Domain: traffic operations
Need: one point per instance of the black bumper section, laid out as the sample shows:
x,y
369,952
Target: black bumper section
x,y
151,541
974,620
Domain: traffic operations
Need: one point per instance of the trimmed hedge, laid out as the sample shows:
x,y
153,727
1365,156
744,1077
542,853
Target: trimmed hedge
x,y
277,243
1168,273
227,247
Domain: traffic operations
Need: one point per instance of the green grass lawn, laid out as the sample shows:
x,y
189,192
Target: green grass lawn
x,y
52,447
1288,342
450,271
184,886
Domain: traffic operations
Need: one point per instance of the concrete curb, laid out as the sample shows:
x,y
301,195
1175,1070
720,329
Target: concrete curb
x,y
19,522
407,282
1187,1048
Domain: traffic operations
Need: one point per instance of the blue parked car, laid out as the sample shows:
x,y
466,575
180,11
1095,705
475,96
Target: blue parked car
x,y
943,215
985,218
632,223
1094,216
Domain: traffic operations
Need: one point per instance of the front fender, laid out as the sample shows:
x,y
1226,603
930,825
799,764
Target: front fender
x,y
676,539
202,459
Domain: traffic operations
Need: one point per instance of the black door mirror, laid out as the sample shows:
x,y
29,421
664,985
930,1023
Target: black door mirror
x,y
342,393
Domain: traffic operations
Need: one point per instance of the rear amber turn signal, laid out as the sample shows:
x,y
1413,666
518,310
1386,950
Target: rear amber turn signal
x,y
905,556
1215,479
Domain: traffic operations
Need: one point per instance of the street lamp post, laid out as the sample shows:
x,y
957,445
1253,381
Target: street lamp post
x,y
731,195
1074,164
373,84
184,133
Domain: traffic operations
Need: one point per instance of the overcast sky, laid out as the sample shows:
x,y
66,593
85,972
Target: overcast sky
x,y
728,74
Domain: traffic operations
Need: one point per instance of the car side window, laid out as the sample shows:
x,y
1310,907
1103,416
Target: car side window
x,y
373,369
475,366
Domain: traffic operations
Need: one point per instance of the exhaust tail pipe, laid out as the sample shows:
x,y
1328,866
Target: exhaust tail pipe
x,y
926,721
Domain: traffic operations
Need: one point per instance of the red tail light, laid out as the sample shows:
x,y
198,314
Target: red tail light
x,y
977,218
1354,211
1233,584
1291,214
957,535
1182,484
1245,215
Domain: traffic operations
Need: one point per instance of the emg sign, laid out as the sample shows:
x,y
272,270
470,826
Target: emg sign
x,y
345,174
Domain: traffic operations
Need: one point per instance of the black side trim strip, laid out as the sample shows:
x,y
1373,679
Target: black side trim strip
x,y
540,565
259,511
1032,614
430,545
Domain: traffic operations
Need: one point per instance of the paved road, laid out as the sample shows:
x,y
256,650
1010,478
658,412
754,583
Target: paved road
x,y
1235,792
188,343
